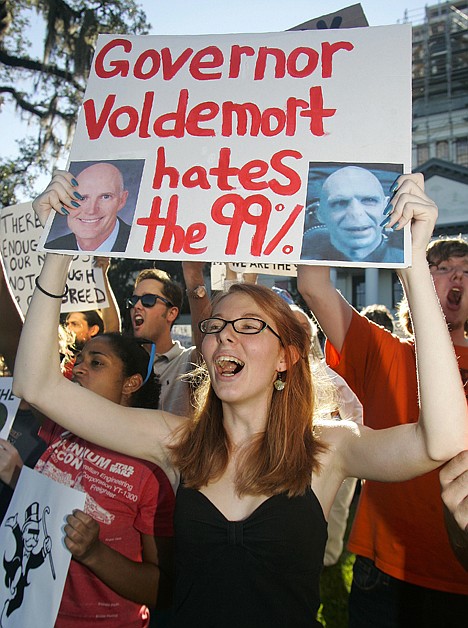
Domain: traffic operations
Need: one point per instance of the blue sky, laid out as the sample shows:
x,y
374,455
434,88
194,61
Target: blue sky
x,y
184,17
189,17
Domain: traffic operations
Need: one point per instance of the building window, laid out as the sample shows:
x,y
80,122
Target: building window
x,y
422,153
359,291
442,150
462,151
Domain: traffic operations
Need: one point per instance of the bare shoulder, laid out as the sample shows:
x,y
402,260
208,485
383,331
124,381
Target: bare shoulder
x,y
333,433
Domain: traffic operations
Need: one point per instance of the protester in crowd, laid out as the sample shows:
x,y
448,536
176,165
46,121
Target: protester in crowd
x,y
92,216
154,307
118,563
454,481
351,211
405,573
248,457
379,314
83,326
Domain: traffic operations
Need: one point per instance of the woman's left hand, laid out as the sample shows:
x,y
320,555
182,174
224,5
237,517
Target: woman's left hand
x,y
411,205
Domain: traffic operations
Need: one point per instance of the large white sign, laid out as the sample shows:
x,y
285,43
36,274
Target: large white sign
x,y
235,147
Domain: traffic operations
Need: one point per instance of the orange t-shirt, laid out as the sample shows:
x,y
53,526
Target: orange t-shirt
x,y
400,526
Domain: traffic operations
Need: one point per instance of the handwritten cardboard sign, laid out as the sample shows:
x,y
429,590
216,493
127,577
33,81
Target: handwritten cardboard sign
x,y
229,128
22,261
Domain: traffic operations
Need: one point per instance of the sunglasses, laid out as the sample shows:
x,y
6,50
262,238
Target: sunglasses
x,y
147,300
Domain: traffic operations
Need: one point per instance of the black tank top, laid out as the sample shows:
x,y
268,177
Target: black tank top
x,y
261,572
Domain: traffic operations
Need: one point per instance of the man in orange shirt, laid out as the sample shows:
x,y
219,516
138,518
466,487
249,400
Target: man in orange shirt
x,y
405,572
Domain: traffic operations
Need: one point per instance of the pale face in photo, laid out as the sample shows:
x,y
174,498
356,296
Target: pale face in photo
x,y
101,187
351,206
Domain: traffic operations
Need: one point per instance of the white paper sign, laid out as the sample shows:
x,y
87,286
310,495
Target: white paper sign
x,y
22,261
9,405
34,560
228,141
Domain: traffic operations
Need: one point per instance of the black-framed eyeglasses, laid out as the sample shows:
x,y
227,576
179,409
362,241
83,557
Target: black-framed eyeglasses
x,y
247,326
147,300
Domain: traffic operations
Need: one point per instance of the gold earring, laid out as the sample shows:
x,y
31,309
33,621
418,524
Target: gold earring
x,y
278,383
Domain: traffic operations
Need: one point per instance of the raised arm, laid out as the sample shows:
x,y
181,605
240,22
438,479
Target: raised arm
x,y
331,310
200,305
134,431
405,451
110,314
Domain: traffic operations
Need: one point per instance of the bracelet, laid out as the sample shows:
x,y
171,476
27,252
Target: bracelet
x,y
49,294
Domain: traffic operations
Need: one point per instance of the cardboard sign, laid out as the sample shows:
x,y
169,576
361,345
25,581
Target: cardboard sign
x,y
233,134
22,261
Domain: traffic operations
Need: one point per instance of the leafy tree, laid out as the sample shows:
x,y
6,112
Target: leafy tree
x,y
47,88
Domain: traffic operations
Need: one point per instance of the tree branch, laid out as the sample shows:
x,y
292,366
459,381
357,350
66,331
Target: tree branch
x,y
36,66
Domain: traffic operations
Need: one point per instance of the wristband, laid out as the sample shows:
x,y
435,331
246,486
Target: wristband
x,y
49,294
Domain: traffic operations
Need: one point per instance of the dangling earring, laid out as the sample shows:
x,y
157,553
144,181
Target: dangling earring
x,y
278,383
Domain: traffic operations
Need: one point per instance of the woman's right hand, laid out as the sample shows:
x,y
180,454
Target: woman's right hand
x,y
59,196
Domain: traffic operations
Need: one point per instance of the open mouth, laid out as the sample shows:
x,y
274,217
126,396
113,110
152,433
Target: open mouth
x,y
228,365
138,320
89,221
454,297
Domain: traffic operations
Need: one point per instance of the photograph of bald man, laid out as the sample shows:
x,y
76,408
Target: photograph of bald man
x,y
347,217
104,208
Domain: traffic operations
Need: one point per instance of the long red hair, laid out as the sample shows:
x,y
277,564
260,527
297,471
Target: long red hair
x,y
282,458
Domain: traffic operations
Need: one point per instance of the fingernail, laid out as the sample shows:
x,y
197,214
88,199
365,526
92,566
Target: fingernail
x,y
64,211
75,204
394,187
78,196
74,182
385,221
395,225
388,209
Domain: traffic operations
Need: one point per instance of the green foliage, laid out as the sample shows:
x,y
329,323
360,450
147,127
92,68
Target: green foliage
x,y
46,82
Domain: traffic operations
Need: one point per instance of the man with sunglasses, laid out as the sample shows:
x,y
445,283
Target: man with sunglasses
x,y
154,307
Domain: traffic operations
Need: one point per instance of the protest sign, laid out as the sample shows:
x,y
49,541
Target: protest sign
x,y
218,271
22,262
9,404
229,126
35,560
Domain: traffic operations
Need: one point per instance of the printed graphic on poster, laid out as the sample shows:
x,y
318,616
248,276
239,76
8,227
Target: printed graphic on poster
x,y
34,558
228,131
